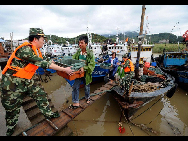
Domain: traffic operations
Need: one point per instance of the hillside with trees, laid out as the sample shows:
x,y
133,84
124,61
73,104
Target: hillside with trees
x,y
96,38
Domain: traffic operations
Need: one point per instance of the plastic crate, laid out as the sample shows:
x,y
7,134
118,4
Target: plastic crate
x,y
154,64
51,70
67,62
106,66
40,71
76,65
75,75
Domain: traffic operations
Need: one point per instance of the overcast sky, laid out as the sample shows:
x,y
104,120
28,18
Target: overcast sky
x,y
72,20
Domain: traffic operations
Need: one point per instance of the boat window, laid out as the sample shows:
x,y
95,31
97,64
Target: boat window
x,y
109,47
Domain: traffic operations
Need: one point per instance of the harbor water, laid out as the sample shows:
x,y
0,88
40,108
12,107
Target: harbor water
x,y
161,117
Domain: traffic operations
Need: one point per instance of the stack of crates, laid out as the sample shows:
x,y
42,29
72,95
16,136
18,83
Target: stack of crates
x,y
76,65
105,65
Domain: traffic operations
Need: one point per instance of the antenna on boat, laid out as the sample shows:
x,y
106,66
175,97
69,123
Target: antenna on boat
x,y
89,37
11,37
139,43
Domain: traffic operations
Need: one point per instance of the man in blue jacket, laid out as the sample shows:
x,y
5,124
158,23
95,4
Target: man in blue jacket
x,y
114,64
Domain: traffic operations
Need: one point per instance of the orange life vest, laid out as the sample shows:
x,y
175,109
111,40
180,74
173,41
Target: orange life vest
x,y
28,71
127,69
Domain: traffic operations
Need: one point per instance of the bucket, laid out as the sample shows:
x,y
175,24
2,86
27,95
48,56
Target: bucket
x,y
154,64
147,64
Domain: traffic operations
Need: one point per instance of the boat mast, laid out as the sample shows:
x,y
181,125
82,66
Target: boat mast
x,y
139,43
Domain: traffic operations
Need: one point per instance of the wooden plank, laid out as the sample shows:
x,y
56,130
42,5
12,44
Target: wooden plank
x,y
40,129
45,129
83,103
62,120
73,112
66,115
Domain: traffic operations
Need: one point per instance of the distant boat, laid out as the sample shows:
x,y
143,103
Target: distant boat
x,y
120,50
96,48
51,50
175,63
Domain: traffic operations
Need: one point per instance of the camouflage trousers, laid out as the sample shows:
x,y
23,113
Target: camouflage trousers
x,y
125,81
13,91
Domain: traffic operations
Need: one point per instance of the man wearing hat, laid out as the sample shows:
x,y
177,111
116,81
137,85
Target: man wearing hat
x,y
128,73
18,79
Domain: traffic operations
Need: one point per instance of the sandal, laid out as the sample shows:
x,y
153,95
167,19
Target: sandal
x,y
73,107
88,100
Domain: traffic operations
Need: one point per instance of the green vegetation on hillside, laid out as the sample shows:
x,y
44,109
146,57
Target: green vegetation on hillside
x,y
158,48
96,38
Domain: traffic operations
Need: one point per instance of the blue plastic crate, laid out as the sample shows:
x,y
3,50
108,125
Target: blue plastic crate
x,y
153,64
51,70
40,71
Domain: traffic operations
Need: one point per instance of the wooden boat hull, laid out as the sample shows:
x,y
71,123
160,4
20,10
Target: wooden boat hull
x,y
136,100
181,77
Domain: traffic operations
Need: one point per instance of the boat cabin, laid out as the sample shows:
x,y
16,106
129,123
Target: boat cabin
x,y
96,50
145,53
54,50
120,50
174,59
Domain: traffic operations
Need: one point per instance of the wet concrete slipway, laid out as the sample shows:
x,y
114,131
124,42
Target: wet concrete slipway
x,y
167,117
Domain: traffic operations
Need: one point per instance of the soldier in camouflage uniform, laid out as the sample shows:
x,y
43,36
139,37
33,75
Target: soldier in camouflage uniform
x,y
14,89
128,73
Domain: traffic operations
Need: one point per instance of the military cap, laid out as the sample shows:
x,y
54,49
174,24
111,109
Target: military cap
x,y
36,31
125,56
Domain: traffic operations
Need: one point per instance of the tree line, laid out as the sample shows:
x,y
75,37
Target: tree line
x,y
96,38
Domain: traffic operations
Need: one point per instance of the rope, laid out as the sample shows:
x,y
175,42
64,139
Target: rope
x,y
148,108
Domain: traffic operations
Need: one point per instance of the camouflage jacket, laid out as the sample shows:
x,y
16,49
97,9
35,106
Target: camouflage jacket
x,y
27,55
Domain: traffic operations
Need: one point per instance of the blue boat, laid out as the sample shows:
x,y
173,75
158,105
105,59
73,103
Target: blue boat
x,y
176,64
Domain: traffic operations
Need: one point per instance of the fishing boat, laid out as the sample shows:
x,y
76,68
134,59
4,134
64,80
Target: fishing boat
x,y
3,56
143,92
175,63
96,48
144,88
54,50
145,53
119,48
